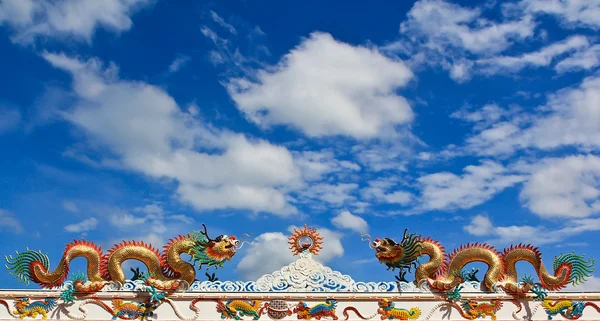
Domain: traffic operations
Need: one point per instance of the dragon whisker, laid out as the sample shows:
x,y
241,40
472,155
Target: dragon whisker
x,y
367,237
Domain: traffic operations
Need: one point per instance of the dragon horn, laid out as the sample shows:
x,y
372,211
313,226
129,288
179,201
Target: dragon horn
x,y
404,237
367,237
205,233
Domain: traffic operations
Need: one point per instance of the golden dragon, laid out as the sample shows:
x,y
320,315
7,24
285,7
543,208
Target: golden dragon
x,y
167,271
443,271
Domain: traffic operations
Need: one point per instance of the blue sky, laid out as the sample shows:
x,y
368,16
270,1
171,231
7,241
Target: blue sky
x,y
138,119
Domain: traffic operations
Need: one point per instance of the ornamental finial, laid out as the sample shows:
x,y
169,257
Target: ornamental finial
x,y
306,239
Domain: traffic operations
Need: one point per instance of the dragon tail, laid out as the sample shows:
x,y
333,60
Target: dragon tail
x,y
35,265
355,310
49,304
568,268
21,265
577,266
414,313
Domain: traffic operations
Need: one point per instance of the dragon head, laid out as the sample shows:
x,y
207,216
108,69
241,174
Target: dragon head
x,y
393,254
223,246
384,303
21,303
214,252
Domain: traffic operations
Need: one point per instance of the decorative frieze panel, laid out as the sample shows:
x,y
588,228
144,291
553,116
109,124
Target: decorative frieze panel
x,y
296,306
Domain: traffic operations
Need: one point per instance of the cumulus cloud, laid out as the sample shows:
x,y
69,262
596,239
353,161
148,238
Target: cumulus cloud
x,y
442,25
442,34
572,13
592,284
271,251
541,58
347,220
325,87
159,225
84,226
143,129
479,183
582,60
316,164
571,117
482,226
382,190
564,187
66,19
336,194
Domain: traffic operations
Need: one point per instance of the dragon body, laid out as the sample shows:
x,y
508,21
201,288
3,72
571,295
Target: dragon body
x,y
130,310
472,309
236,309
571,310
25,308
167,270
317,311
443,271
388,311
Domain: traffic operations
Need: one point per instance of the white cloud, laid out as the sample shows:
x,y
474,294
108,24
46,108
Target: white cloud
x,y
504,235
583,60
441,34
222,22
380,190
574,118
441,26
541,58
447,191
271,251
564,187
482,117
571,117
84,226
66,18
592,284
260,199
572,13
178,63
336,194
347,220
145,130
316,164
70,206
9,119
268,254
480,225
158,224
9,222
325,87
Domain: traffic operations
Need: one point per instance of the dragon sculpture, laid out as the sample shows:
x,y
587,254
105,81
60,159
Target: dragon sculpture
x,y
317,311
388,311
472,309
167,271
131,310
236,309
571,310
25,308
443,271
